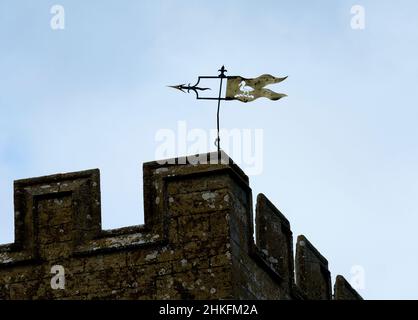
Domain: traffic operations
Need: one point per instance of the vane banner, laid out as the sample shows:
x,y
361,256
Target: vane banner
x,y
247,90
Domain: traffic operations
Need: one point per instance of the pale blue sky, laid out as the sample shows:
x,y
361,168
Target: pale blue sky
x,y
340,153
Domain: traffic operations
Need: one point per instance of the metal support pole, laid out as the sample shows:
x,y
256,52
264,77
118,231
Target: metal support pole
x,y
218,140
222,76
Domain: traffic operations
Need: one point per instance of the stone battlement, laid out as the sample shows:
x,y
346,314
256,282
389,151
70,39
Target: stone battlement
x,y
197,241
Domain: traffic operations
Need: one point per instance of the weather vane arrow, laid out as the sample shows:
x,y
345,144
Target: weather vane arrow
x,y
183,87
237,88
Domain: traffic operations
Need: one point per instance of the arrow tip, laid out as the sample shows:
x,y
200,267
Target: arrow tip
x,y
178,87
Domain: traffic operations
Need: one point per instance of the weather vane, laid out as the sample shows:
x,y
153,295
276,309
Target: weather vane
x,y
237,88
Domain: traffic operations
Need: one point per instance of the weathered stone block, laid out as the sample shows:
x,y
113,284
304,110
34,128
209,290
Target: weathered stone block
x,y
344,291
275,240
312,274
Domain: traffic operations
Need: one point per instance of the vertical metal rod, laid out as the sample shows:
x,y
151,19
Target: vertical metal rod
x,y
217,117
